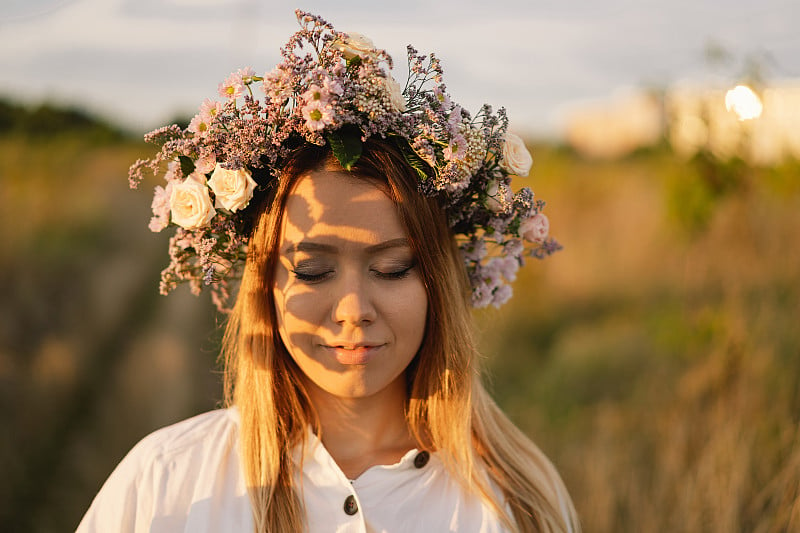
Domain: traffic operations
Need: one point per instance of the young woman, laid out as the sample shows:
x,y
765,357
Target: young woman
x,y
354,400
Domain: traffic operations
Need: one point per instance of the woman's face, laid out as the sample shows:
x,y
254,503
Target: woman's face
x,y
350,302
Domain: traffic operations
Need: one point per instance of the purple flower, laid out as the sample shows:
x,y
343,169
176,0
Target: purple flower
x,y
481,296
514,247
501,295
474,250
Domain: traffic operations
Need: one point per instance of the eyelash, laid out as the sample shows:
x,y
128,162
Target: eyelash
x,y
398,274
310,278
316,278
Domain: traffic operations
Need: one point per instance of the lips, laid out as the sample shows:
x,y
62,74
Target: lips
x,y
353,354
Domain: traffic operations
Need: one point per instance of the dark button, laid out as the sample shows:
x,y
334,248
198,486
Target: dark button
x,y
421,459
350,505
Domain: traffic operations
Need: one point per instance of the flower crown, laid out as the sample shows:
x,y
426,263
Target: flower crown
x,y
333,88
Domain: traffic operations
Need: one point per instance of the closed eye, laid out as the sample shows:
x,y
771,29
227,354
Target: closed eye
x,y
307,277
396,274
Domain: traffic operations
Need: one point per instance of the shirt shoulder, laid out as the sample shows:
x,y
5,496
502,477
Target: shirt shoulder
x,y
169,479
187,436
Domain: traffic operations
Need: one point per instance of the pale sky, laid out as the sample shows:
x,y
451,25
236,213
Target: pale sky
x,y
142,62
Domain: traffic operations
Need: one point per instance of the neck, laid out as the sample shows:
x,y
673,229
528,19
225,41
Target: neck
x,y
363,432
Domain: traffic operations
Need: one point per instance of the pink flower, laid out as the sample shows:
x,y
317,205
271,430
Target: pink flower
x,y
535,228
232,87
277,84
205,164
332,87
210,109
199,125
454,120
246,74
315,94
457,148
173,171
160,207
317,115
441,97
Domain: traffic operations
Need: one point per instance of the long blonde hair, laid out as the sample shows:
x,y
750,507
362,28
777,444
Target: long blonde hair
x,y
448,409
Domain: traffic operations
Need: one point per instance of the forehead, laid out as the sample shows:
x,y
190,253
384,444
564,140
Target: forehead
x,y
337,206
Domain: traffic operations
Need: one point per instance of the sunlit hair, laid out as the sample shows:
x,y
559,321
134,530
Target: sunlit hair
x,y
448,409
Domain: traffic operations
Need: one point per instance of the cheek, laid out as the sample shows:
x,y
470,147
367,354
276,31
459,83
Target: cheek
x,y
288,304
281,299
298,314
302,309
410,310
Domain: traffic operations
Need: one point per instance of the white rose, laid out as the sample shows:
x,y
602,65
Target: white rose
x,y
516,158
190,203
355,44
233,188
395,93
535,228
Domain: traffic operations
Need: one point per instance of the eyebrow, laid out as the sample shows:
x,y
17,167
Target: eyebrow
x,y
310,246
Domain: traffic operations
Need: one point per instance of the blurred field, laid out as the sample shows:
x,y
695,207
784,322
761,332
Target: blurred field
x,y
656,359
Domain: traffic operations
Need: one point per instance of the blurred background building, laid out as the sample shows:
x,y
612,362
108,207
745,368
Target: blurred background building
x,y
691,117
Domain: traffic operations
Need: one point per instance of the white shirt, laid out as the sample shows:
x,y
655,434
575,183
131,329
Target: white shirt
x,y
188,477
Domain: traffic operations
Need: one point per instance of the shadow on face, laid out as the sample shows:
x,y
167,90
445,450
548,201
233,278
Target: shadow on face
x,y
350,303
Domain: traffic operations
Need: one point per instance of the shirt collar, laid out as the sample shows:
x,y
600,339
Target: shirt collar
x,y
316,458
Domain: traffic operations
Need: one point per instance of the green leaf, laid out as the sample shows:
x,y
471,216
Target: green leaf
x,y
346,145
354,62
422,168
187,165
416,162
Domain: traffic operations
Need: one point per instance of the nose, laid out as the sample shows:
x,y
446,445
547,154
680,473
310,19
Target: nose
x,y
353,305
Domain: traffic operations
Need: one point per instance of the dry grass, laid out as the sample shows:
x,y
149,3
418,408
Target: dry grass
x,y
662,367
